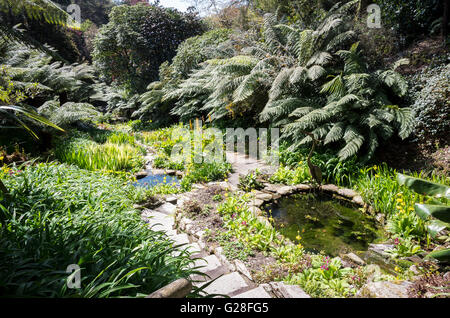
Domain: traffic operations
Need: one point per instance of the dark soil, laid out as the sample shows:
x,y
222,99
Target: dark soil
x,y
411,156
421,54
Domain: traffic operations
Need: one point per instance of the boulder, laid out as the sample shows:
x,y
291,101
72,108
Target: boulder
x,y
358,200
284,190
264,196
330,188
381,249
353,258
302,187
264,221
256,202
171,199
179,174
386,289
271,188
373,272
348,193
141,174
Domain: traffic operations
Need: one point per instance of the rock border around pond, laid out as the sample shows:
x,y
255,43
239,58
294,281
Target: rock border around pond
x,y
272,192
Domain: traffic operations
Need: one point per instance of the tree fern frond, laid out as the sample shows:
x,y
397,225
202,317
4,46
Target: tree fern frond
x,y
336,133
354,140
315,72
319,58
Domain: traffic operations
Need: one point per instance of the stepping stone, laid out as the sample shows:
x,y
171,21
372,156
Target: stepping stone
x,y
264,196
167,208
168,230
195,249
211,266
162,222
180,239
160,216
172,200
258,292
230,284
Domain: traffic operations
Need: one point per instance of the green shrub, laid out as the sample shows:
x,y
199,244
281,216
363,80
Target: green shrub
x,y
431,95
325,278
137,40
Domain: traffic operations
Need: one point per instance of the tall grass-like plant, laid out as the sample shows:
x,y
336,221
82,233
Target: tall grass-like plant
x,y
92,156
57,215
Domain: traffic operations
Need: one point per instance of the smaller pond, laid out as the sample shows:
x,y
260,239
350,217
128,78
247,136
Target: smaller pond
x,y
324,223
152,180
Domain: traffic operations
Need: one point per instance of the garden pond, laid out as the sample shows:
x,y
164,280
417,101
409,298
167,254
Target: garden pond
x,y
323,223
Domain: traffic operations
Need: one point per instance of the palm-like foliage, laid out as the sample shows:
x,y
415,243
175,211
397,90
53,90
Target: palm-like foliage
x,y
27,66
300,79
43,10
359,110
29,76
289,60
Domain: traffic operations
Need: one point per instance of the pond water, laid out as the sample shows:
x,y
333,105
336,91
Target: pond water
x,y
154,179
324,223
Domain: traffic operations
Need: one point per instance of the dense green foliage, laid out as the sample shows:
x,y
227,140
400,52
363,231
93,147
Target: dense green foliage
x,y
299,79
116,152
137,40
96,11
411,17
311,68
431,93
58,215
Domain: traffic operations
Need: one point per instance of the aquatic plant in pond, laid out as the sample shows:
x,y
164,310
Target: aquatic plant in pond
x,y
322,223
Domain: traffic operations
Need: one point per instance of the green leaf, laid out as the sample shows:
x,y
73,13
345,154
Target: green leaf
x,y
442,255
440,212
435,227
424,187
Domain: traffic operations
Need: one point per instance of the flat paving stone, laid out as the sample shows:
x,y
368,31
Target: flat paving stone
x,y
167,208
194,248
258,292
180,239
210,266
230,284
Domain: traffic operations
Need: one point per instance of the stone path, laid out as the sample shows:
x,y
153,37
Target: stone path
x,y
242,164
